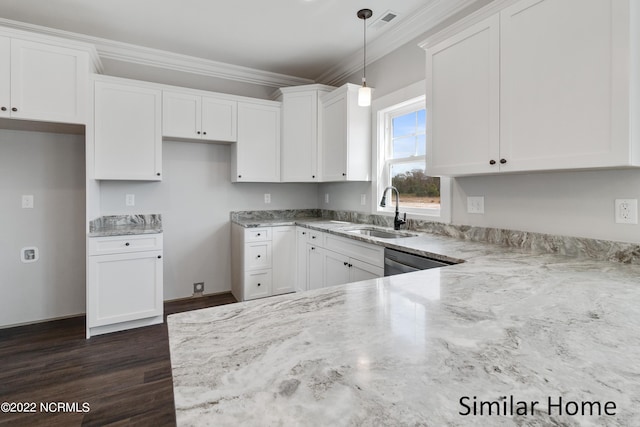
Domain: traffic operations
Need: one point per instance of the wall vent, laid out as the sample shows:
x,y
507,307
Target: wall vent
x,y
384,20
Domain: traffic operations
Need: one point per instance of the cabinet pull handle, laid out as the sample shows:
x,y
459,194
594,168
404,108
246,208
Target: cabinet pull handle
x,y
344,174
503,161
313,176
239,176
350,265
258,256
492,162
159,256
258,234
204,133
313,237
258,284
158,173
312,248
345,263
126,244
3,108
304,233
198,132
14,109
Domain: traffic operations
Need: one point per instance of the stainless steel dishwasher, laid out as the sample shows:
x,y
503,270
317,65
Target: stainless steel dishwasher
x,y
398,262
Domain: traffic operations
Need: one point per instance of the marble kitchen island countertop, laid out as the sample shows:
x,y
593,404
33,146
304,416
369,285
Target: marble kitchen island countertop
x,y
537,339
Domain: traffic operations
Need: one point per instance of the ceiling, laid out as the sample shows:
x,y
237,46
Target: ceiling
x,y
314,40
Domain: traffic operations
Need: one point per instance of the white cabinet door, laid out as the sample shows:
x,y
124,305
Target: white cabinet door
x,y
345,137
463,102
258,284
256,155
302,237
181,116
283,260
315,266
300,137
560,76
219,119
128,140
336,269
124,287
362,271
334,139
48,83
5,77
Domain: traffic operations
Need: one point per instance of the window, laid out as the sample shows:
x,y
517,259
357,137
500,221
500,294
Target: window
x,y
403,148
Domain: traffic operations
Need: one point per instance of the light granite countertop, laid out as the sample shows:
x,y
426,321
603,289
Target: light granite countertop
x,y
125,225
509,337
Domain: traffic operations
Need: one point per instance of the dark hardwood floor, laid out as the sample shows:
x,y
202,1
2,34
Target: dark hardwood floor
x,y
125,377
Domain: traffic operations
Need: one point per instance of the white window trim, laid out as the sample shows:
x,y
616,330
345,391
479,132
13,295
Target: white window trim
x,y
379,107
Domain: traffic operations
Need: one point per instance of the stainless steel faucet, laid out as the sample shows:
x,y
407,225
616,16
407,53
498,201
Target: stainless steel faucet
x,y
397,222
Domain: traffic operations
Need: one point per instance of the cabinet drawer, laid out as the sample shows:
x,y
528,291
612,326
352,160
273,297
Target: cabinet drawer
x,y
257,234
123,244
371,254
257,284
257,256
302,234
316,237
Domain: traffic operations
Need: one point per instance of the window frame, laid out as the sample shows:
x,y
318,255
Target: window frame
x,y
384,109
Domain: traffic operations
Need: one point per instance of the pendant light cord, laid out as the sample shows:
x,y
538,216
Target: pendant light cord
x,y
364,62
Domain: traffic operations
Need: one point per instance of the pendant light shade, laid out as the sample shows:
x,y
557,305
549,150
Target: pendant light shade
x,y
364,96
364,93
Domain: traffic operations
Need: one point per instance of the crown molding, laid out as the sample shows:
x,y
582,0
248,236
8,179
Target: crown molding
x,y
126,52
473,18
406,30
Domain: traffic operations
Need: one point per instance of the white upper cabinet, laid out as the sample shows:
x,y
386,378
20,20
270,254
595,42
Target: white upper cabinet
x,y
463,101
5,77
300,127
564,77
189,116
256,155
345,137
541,85
43,82
128,140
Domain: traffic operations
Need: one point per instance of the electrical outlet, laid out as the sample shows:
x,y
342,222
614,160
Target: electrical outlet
x,y
363,199
267,197
626,211
326,197
27,201
475,205
130,200
198,289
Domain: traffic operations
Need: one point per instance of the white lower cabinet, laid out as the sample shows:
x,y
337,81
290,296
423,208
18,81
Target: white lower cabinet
x,y
124,283
333,260
262,261
276,260
315,260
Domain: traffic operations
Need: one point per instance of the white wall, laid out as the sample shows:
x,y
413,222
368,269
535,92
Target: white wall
x,y
195,198
565,203
50,167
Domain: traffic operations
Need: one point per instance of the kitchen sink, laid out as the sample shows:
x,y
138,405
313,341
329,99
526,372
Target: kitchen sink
x,y
380,233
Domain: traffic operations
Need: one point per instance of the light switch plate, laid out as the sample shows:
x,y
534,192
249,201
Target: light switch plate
x,y
130,200
267,197
326,197
475,204
363,199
